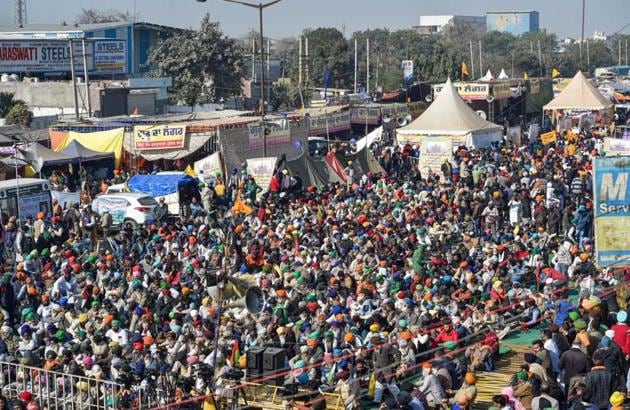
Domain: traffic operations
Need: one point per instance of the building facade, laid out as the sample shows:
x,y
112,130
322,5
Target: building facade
x,y
112,49
435,24
513,22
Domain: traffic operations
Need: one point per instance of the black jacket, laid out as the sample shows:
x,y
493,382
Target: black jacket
x,y
599,386
574,362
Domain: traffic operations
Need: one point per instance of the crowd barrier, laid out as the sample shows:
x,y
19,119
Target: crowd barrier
x,y
55,390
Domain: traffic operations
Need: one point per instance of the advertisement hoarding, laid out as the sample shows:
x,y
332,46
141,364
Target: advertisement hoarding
x,y
159,136
612,210
42,56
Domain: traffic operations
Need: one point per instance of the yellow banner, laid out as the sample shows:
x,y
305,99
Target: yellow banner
x,y
501,91
468,91
147,137
548,137
102,141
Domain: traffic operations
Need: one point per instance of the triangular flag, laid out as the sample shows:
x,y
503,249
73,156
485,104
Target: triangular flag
x,y
236,353
464,69
554,73
525,76
135,111
190,171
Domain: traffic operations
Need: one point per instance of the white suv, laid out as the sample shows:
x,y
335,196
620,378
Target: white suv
x,y
126,208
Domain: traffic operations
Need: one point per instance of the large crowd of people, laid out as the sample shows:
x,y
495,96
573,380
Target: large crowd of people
x,y
392,289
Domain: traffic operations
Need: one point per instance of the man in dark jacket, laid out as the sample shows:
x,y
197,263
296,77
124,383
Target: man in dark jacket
x,y
574,363
599,383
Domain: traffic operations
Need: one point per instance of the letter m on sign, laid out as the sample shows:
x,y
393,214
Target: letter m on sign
x,y
613,190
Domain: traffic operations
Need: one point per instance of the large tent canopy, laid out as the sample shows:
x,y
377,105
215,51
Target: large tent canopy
x,y
77,150
579,94
450,115
34,152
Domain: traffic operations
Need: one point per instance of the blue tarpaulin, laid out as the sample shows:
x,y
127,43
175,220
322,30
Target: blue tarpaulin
x,y
159,185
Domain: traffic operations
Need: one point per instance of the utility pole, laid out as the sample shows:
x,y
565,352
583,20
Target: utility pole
x,y
480,61
307,64
20,13
300,63
268,57
540,59
582,38
626,51
367,88
512,73
254,59
74,81
355,65
588,57
87,78
260,7
378,63
619,51
472,60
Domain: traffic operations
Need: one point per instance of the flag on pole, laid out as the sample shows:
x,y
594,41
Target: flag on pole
x,y
554,73
464,70
525,76
240,207
326,80
236,353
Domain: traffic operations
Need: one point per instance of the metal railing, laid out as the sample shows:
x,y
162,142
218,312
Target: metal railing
x,y
56,390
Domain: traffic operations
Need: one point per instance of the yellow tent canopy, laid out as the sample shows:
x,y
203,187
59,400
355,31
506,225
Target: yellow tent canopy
x,y
102,141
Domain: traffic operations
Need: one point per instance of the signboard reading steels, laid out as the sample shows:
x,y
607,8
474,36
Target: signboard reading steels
x,y
39,56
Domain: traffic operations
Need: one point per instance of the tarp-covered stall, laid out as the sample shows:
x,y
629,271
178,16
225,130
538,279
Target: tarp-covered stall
x,y
175,188
77,150
450,116
315,172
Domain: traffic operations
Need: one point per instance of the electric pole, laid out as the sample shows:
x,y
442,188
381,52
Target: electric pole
x,y
20,13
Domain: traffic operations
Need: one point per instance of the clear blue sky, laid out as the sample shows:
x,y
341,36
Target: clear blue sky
x,y
291,16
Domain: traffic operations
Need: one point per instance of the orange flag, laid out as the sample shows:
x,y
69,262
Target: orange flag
x,y
240,207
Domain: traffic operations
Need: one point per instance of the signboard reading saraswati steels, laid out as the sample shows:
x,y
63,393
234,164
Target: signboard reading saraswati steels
x,y
612,210
159,136
40,56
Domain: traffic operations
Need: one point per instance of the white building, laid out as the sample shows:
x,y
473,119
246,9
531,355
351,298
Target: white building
x,y
435,24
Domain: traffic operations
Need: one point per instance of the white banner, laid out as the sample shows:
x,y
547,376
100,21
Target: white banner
x,y
30,205
208,167
262,170
615,147
66,199
433,152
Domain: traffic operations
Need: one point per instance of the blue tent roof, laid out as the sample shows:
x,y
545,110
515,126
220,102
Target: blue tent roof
x,y
159,185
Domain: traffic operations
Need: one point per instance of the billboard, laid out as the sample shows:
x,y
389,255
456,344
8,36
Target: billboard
x,y
159,136
515,23
612,211
468,91
44,56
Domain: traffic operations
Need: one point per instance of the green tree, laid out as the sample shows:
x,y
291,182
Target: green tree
x,y
286,97
205,65
19,115
8,101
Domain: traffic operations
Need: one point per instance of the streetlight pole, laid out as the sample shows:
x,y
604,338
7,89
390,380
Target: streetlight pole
x,y
260,7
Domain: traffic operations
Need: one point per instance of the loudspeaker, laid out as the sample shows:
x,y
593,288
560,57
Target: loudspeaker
x,y
274,359
255,361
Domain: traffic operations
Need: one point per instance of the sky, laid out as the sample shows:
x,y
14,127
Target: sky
x,y
290,17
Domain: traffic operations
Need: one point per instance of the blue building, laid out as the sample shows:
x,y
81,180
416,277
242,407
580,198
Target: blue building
x,y
513,22
119,48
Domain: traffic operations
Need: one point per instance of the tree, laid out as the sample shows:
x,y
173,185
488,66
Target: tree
x,y
7,101
92,16
19,115
286,97
205,65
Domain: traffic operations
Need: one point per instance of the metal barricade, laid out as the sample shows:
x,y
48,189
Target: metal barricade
x,y
60,391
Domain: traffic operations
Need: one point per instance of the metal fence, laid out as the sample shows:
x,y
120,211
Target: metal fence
x,y
55,390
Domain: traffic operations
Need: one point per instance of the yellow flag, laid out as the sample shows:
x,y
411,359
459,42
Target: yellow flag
x,y
525,76
554,73
190,171
464,69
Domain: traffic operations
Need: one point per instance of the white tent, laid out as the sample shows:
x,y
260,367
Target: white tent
x,y
487,77
579,94
366,141
503,75
451,116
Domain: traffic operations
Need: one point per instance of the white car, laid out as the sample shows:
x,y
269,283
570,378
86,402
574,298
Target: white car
x,y
126,208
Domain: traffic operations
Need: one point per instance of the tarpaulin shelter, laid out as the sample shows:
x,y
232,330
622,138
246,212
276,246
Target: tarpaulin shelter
x,y
363,162
313,171
579,94
109,141
159,184
35,152
450,116
77,150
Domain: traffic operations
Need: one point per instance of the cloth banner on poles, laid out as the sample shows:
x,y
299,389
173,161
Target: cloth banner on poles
x,y
548,137
66,199
102,141
433,152
208,167
262,170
